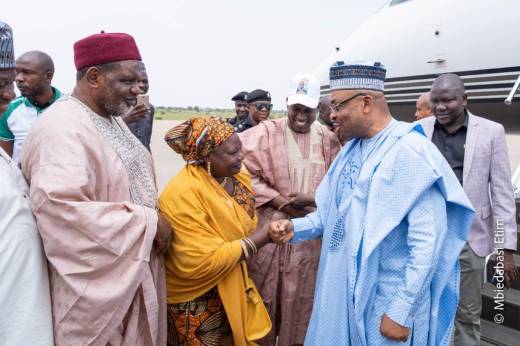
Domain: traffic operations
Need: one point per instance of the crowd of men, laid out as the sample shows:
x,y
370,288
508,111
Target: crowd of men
x,y
369,216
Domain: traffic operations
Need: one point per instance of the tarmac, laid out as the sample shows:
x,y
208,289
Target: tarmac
x,y
168,163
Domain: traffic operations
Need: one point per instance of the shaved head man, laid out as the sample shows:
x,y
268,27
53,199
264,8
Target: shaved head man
x,y
324,118
476,150
324,112
34,72
448,101
423,107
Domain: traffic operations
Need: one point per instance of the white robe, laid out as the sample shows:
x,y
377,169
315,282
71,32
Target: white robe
x,y
25,304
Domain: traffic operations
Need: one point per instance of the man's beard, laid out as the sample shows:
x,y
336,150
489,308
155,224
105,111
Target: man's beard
x,y
116,110
112,108
34,92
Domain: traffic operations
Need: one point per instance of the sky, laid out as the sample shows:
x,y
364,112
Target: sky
x,y
197,52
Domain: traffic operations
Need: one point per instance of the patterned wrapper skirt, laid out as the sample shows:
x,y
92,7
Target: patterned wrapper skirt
x,y
200,322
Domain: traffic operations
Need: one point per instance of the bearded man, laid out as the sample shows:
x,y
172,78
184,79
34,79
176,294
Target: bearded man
x,y
92,190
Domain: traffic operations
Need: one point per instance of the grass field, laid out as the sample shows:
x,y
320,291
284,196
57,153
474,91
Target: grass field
x,y
162,113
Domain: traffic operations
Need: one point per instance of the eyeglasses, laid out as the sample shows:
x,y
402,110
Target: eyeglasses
x,y
337,107
259,106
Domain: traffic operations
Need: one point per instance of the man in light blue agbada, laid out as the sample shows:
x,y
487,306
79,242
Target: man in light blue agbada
x,y
393,218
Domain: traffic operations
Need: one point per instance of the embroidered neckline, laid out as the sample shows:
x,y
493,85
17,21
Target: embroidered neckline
x,y
131,152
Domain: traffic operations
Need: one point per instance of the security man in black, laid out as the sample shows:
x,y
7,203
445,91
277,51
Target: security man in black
x,y
241,110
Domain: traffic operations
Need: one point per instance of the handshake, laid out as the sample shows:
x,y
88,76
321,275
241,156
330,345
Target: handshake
x,y
281,231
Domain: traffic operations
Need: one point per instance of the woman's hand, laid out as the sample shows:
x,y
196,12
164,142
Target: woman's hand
x,y
260,237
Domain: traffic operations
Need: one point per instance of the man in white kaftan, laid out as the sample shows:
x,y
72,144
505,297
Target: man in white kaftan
x,y
25,302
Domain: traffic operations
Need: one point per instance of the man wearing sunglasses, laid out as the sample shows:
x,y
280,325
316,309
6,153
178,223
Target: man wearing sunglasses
x,y
287,159
393,218
259,106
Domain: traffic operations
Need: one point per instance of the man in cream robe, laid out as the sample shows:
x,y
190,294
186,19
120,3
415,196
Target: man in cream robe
x,y
93,193
287,159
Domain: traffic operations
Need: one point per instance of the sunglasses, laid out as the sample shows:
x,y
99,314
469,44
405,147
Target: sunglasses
x,y
260,106
337,107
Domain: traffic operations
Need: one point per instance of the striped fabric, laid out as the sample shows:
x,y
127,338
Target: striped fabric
x,y
369,76
6,46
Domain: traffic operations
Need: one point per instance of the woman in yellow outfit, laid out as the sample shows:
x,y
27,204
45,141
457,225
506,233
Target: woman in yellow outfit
x,y
210,205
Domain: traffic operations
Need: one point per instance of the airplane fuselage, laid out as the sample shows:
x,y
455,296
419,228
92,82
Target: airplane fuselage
x,y
419,39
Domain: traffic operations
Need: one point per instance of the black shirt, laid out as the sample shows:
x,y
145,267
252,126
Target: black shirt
x,y
452,145
142,128
233,121
241,125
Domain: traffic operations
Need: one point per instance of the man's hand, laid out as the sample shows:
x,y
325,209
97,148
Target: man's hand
x,y
298,205
136,113
510,270
281,231
300,200
163,237
296,213
392,330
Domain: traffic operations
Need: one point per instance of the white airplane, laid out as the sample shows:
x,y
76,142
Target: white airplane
x,y
418,39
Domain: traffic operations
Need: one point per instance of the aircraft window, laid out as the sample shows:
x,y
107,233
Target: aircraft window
x,y
397,2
